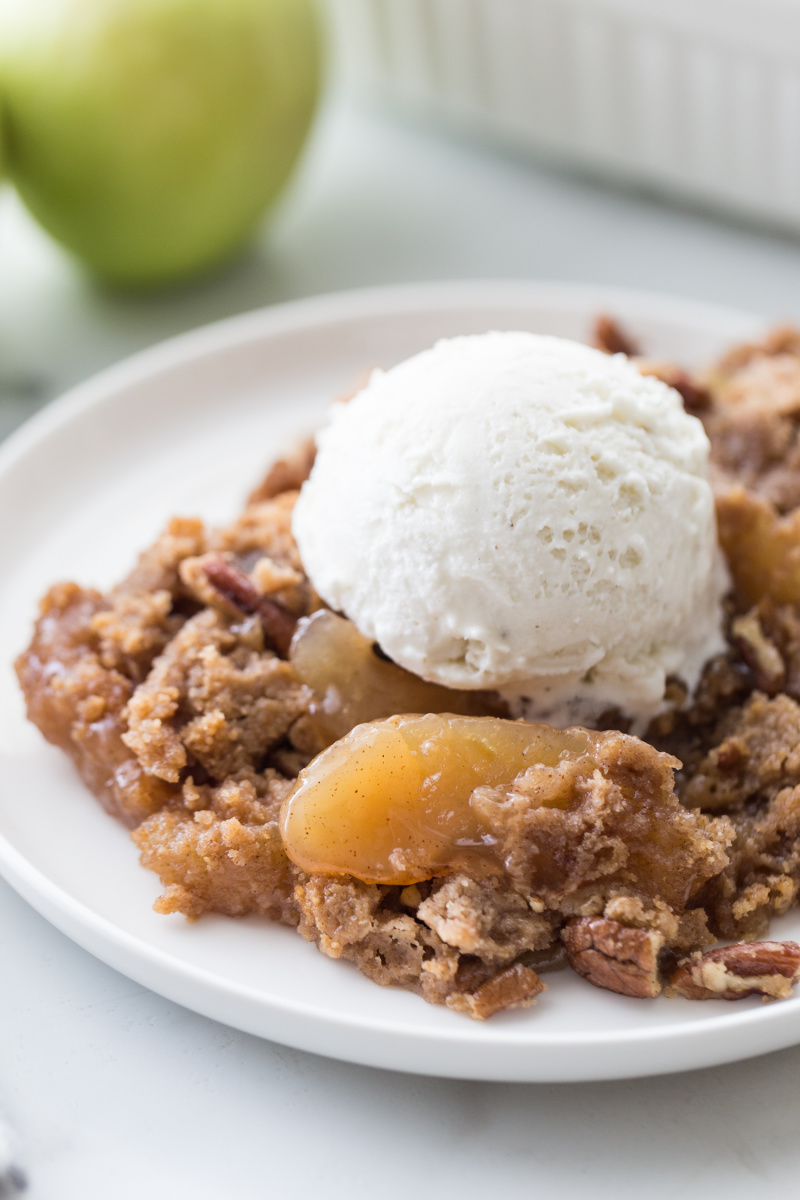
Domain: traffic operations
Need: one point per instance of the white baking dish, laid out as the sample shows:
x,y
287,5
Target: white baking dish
x,y
699,98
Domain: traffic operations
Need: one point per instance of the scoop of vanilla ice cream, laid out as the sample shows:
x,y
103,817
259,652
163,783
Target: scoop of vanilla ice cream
x,y
524,513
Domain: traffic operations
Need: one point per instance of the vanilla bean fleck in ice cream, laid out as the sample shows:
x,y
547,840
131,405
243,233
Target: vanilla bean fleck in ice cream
x,y
521,512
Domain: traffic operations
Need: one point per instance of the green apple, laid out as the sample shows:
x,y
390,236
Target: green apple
x,y
149,135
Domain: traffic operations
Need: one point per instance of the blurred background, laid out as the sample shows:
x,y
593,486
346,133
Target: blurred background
x,y
171,162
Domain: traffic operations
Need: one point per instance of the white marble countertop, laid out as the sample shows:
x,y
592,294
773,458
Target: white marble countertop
x,y
116,1094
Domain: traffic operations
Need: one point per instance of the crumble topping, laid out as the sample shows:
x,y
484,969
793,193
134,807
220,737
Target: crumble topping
x,y
176,696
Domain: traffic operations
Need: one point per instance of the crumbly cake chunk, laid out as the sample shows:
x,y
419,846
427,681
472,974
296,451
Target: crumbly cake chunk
x,y
738,740
215,699
218,849
286,474
753,423
753,420
621,831
751,771
151,682
78,702
451,948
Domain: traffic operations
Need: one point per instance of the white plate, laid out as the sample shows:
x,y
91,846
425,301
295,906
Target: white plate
x,y
188,428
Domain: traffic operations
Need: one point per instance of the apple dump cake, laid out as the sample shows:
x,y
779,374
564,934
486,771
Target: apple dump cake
x,y
491,695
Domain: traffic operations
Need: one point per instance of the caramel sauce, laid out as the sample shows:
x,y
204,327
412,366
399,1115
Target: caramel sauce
x,y
390,802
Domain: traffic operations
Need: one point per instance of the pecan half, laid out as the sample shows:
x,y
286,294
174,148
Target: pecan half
x,y
761,655
609,337
238,590
733,972
614,956
514,987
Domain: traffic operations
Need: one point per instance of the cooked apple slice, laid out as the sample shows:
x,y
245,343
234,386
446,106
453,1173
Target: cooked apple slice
x,y
390,802
353,683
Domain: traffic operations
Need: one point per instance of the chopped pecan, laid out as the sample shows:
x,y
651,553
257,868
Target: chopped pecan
x,y
238,590
609,337
730,753
696,398
614,956
784,339
733,972
514,987
287,474
761,655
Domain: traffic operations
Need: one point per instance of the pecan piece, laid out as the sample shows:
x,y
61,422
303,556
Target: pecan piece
x,y
287,474
609,337
614,956
730,753
761,655
733,972
238,590
696,398
514,987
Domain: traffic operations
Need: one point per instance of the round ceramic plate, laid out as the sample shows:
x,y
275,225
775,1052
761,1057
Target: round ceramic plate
x,y
188,428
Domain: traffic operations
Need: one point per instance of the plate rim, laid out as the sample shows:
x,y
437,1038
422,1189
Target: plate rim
x,y
330,307
113,945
